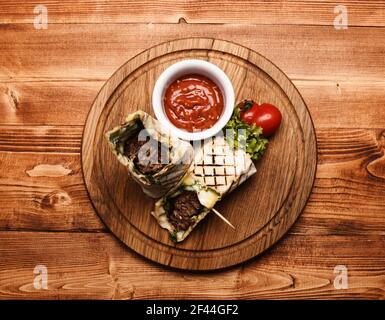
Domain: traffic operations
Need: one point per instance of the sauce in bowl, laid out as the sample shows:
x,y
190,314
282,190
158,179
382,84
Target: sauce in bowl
x,y
193,103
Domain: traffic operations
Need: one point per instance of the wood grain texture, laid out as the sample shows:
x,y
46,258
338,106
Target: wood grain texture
x,y
47,73
44,191
280,12
335,104
96,51
282,189
45,102
359,152
96,266
29,138
349,169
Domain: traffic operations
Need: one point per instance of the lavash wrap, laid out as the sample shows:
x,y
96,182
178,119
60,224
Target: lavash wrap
x,y
216,171
181,154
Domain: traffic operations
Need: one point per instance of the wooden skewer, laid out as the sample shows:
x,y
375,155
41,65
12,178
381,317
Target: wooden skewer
x,y
222,217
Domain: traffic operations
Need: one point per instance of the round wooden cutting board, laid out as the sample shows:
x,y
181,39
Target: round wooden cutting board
x,y
262,209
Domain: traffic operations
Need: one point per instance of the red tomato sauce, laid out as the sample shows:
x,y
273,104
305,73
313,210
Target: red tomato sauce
x,y
193,102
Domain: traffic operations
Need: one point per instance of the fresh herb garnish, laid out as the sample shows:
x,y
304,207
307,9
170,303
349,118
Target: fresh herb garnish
x,y
168,205
125,132
255,143
173,236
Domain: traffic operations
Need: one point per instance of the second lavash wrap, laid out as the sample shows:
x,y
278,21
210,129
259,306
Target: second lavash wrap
x,y
180,156
216,171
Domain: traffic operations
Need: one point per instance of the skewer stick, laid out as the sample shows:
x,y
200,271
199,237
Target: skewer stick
x,y
222,217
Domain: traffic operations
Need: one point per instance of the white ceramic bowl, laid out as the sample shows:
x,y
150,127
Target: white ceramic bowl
x,y
186,67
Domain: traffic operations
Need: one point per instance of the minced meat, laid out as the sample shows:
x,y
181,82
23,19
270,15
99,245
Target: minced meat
x,y
153,162
183,207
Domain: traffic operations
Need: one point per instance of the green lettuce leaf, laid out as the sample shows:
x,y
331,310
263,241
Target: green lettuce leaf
x,y
251,135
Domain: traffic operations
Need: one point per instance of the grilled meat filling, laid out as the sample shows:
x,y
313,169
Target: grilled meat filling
x,y
153,161
182,208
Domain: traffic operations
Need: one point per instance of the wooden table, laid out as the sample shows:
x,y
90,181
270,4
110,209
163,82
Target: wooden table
x,y
49,78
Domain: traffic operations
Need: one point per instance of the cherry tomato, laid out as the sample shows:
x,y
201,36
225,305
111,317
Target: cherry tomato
x,y
265,115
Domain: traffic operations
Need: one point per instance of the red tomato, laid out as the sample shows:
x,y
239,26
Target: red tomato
x,y
265,115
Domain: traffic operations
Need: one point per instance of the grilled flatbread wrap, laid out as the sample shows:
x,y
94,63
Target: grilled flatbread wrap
x,y
217,170
221,167
155,160
204,199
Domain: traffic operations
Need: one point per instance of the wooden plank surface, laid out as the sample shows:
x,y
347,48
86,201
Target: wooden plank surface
x,y
312,12
92,265
281,195
46,190
95,51
332,104
49,78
